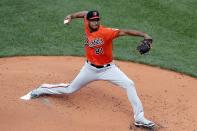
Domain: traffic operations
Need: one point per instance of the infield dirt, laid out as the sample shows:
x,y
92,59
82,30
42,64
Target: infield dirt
x,y
169,98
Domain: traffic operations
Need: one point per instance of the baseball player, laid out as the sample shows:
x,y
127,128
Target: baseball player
x,y
99,64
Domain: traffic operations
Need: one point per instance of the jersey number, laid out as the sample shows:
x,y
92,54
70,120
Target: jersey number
x,y
99,51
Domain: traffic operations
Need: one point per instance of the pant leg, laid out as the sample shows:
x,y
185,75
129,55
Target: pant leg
x,y
117,77
84,77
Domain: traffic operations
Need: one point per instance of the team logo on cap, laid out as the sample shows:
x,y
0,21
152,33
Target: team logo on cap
x,y
94,13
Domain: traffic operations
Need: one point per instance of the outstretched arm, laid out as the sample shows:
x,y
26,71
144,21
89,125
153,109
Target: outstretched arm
x,y
133,33
69,17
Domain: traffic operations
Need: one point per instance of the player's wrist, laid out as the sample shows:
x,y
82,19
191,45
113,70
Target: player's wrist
x,y
146,36
69,16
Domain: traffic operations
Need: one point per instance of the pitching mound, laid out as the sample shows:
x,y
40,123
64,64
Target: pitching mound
x,y
169,98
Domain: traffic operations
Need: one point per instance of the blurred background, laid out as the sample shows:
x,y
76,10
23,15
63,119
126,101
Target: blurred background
x,y
35,27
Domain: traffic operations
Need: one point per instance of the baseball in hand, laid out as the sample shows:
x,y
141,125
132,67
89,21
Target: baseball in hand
x,y
65,21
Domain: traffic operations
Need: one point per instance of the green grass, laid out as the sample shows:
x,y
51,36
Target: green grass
x,y
32,27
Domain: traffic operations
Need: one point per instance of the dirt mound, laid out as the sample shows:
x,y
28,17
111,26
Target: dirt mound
x,y
169,98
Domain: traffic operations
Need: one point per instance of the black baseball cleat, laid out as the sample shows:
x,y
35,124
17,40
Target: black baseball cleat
x,y
145,123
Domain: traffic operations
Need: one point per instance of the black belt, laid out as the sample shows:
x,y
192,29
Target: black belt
x,y
99,66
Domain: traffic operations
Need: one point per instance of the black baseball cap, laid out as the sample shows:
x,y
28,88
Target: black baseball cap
x,y
94,14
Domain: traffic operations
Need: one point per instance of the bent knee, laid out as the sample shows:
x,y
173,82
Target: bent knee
x,y
131,82
128,84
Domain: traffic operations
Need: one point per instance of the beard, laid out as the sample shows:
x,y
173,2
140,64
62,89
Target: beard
x,y
93,29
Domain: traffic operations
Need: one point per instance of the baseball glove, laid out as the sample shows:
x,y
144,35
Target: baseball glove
x,y
144,46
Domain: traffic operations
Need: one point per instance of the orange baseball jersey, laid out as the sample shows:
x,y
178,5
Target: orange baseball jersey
x,y
98,47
